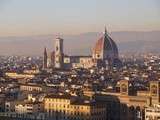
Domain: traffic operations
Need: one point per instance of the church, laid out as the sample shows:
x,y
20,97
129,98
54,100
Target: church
x,y
104,54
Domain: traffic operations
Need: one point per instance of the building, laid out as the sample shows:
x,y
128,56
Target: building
x,y
104,54
45,59
67,108
15,75
15,109
134,102
152,113
28,107
155,91
105,50
59,53
31,71
30,87
9,106
78,62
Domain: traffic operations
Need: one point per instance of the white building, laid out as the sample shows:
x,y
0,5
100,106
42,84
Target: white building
x,y
28,107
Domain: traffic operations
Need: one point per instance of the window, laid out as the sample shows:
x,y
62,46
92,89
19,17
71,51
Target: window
x,y
98,55
154,90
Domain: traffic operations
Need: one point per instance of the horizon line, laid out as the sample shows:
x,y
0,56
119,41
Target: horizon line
x,y
76,34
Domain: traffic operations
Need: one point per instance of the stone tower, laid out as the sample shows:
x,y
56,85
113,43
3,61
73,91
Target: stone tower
x,y
45,58
127,87
59,53
155,91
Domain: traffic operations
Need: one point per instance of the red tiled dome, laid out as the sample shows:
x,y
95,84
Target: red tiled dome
x,y
99,45
105,46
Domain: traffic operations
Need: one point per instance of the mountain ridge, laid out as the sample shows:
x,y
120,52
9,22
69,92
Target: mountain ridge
x,y
127,41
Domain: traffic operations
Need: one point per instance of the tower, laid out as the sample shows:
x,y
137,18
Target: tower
x,y
155,91
124,87
59,53
45,58
52,59
127,87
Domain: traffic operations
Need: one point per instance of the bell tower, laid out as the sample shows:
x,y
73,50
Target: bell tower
x,y
59,53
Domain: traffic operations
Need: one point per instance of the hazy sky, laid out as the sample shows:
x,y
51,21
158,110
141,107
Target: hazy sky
x,y
34,17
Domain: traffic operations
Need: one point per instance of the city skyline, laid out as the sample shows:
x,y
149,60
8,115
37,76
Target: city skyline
x,y
21,18
79,59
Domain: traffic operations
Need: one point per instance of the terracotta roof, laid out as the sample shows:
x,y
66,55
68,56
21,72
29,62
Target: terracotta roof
x,y
104,44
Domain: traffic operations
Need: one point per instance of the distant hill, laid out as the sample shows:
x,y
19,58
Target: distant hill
x,y
81,44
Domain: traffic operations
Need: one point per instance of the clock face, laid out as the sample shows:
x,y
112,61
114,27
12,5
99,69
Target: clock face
x,y
154,89
98,56
124,88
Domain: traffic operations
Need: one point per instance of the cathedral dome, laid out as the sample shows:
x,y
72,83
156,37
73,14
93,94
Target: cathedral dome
x,y
105,48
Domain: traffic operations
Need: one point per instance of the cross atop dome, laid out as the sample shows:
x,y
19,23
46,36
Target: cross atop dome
x,y
105,31
105,48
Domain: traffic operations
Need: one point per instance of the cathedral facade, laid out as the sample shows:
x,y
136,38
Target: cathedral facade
x,y
104,54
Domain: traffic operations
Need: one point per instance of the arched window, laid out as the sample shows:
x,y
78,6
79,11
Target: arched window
x,y
154,89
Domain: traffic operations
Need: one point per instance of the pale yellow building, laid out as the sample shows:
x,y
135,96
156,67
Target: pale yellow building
x,y
32,71
64,107
19,76
30,87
